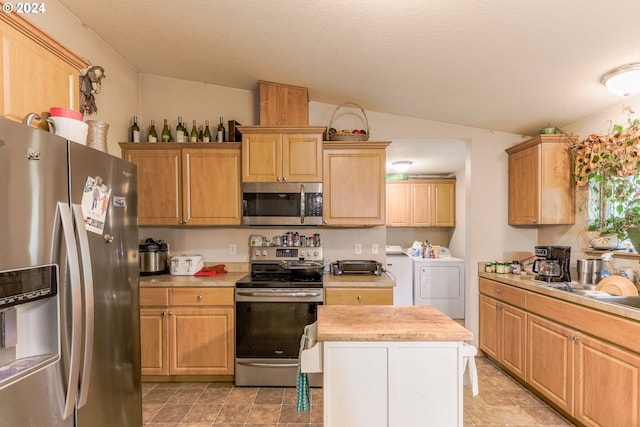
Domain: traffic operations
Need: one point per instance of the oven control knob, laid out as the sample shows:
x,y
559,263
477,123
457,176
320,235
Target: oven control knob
x,y
264,252
257,252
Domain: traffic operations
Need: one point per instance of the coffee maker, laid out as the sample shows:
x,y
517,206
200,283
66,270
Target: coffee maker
x,y
552,264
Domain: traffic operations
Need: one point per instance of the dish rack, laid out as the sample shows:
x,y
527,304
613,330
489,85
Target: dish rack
x,y
348,136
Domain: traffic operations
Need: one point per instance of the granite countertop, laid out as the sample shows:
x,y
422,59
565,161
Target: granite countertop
x,y
163,280
387,323
357,280
525,281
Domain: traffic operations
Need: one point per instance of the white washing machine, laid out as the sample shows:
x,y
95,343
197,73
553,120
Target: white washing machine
x,y
400,268
440,282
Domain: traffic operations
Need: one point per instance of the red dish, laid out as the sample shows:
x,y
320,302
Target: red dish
x,y
65,112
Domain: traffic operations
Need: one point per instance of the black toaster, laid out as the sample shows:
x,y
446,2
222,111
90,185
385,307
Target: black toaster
x,y
356,266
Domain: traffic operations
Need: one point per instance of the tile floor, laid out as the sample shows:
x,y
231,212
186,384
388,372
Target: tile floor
x,y
501,402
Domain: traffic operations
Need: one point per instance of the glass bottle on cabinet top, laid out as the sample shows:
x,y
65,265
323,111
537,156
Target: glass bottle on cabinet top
x,y
153,135
166,133
135,130
193,137
221,132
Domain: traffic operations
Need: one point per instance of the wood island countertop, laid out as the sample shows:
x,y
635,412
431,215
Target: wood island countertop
x,y
387,323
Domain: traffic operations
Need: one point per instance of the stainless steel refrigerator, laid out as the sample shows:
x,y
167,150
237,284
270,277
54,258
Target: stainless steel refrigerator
x,y
69,307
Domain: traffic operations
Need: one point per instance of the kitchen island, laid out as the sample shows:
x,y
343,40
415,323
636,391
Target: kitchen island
x,y
391,366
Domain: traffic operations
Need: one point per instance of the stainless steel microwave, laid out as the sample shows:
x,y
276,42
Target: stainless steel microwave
x,y
282,203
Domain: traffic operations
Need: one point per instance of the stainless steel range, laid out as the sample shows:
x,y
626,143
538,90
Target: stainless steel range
x,y
273,305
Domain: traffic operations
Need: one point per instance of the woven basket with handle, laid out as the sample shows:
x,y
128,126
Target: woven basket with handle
x,y
348,136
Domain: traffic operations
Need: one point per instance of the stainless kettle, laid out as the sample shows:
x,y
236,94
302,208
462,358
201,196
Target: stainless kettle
x,y
153,257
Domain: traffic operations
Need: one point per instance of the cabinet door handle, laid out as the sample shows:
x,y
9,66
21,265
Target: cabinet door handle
x,y
199,297
164,313
575,338
171,313
498,305
498,291
359,297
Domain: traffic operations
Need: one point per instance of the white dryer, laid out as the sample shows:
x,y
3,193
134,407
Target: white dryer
x,y
440,282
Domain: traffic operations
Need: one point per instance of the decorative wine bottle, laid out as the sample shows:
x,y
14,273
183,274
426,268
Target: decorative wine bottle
x,y
153,136
221,132
206,137
135,130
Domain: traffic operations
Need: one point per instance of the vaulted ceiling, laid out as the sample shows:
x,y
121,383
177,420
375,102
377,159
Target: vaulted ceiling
x,y
508,65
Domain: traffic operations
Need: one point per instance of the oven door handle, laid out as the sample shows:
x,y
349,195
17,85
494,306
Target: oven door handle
x,y
278,294
269,365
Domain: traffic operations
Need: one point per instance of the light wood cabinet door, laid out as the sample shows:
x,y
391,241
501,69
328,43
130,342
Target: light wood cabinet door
x,y
444,204
421,204
513,330
398,205
489,326
261,157
541,190
606,383
275,154
354,187
550,360
302,157
37,72
154,341
201,341
211,186
358,296
159,185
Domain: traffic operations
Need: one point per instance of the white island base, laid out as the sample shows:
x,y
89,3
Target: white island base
x,y
410,374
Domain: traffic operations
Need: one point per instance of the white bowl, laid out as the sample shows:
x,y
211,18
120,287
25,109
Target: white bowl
x,y
71,129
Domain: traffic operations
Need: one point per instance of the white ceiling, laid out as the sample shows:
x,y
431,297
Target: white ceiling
x,y
508,65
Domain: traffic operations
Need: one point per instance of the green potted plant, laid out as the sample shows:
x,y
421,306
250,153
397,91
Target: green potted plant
x,y
610,165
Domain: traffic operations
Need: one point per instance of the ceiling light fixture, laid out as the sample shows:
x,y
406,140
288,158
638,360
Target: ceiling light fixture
x,y
624,80
401,166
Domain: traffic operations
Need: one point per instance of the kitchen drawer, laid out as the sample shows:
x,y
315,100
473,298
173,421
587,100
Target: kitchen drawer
x,y
202,296
358,296
503,292
154,297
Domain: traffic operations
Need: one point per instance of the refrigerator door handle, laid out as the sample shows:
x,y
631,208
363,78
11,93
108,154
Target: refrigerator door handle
x,y
87,271
75,288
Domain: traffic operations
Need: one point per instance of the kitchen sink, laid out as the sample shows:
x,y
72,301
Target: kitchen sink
x,y
629,301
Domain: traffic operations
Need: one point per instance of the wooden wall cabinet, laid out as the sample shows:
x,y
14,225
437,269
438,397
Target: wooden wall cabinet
x,y
358,296
354,190
421,203
187,331
37,71
283,105
187,184
277,154
541,189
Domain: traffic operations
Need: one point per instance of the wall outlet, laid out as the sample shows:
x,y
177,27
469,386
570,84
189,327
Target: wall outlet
x,y
374,248
232,249
358,249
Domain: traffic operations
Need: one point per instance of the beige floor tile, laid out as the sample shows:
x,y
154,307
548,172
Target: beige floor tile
x,y
502,402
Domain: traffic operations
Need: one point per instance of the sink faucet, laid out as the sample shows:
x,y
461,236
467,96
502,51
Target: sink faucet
x,y
566,287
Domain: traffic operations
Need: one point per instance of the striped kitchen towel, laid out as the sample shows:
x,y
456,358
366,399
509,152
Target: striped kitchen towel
x,y
303,401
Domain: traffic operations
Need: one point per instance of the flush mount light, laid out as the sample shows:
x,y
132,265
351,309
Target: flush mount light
x,y
401,166
624,80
